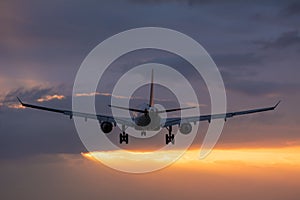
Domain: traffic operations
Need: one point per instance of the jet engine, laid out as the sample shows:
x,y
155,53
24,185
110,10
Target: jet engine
x,y
185,128
106,127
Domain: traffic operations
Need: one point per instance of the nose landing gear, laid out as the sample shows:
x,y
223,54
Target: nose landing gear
x,y
143,133
123,135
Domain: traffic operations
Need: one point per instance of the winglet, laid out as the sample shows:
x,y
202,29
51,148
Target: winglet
x,y
20,101
277,104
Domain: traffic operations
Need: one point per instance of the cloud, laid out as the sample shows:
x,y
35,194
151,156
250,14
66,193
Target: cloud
x,y
187,2
261,88
286,39
293,9
10,100
195,104
15,106
87,94
102,94
238,60
39,94
50,97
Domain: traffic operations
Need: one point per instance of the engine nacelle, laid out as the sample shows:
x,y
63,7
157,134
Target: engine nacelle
x,y
106,127
185,128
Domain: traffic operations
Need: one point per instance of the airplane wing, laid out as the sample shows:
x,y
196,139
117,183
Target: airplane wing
x,y
177,120
100,118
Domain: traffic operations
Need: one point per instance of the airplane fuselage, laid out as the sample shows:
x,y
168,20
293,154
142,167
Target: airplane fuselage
x,y
149,121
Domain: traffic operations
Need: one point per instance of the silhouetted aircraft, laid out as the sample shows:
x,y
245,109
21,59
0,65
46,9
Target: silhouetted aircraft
x,y
149,118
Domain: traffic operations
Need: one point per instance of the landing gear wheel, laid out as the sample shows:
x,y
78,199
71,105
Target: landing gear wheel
x,y
123,138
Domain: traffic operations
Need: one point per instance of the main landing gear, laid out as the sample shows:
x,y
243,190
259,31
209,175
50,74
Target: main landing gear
x,y
123,135
170,137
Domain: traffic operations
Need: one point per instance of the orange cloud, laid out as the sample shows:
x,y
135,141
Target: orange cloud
x,y
87,94
50,97
15,106
218,159
195,104
9,84
102,94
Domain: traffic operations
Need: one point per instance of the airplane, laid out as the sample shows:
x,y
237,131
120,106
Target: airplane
x,y
148,119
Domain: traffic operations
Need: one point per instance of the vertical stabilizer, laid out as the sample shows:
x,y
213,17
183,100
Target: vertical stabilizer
x,y
151,100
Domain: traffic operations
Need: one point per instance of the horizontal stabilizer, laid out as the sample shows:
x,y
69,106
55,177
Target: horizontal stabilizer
x,y
176,109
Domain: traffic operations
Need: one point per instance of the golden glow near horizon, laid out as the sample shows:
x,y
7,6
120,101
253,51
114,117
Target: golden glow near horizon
x,y
239,157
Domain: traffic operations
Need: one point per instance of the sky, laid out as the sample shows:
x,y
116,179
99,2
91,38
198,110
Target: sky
x,y
255,45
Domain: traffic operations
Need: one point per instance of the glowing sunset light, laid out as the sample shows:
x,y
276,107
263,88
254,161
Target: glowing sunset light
x,y
15,106
102,94
239,157
87,94
50,97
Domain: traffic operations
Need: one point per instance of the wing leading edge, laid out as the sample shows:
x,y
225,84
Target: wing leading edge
x,y
100,118
168,121
177,120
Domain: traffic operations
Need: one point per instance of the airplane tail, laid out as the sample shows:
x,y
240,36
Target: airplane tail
x,y
151,100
